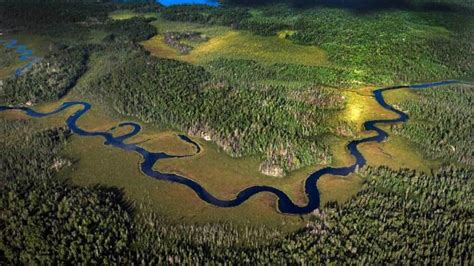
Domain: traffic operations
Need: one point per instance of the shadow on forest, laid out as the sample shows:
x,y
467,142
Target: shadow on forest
x,y
363,6
117,195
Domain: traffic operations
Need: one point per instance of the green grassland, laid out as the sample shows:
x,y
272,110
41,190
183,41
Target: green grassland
x,y
241,45
128,14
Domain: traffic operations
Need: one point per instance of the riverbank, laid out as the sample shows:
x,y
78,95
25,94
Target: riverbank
x,y
284,203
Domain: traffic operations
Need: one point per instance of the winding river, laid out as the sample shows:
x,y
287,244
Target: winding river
x,y
285,204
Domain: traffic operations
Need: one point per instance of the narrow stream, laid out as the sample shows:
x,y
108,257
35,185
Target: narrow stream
x,y
285,204
24,55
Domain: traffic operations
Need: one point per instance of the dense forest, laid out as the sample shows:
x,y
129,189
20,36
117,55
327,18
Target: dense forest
x,y
44,219
360,5
35,15
285,130
132,30
7,57
441,123
48,80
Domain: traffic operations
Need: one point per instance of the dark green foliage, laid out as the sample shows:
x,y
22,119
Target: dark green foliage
x,y
152,89
140,6
44,220
363,5
159,242
205,14
8,57
287,126
398,217
264,26
75,23
48,80
130,30
239,70
441,123
384,47
25,152
31,15
387,47
47,221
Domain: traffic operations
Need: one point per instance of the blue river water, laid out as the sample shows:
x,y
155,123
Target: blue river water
x,y
285,204
24,55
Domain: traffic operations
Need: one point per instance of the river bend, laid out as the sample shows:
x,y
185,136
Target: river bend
x,y
285,204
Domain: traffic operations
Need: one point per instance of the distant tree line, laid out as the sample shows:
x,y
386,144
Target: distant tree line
x,y
376,48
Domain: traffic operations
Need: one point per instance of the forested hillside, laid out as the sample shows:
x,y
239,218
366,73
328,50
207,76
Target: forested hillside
x,y
441,123
285,129
48,80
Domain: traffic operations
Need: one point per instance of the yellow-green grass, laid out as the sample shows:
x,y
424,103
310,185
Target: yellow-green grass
x,y
399,152
285,33
214,169
396,152
228,43
157,47
220,174
128,14
362,106
236,44
9,70
338,188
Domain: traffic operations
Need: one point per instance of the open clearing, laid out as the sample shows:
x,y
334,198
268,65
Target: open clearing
x,y
228,43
